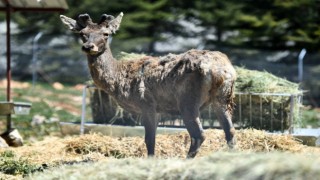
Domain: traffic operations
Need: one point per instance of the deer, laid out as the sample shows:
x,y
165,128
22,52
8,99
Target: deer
x,y
177,84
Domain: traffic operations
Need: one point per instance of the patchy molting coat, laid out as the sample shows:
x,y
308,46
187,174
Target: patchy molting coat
x,y
159,81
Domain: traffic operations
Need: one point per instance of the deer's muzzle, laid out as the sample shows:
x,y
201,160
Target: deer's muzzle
x,y
90,48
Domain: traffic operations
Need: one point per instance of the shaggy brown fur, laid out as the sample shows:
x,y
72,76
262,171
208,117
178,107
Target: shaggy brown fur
x,y
157,70
176,84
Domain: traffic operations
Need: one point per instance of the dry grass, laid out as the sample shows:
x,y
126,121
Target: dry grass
x,y
168,146
220,165
91,147
61,153
263,82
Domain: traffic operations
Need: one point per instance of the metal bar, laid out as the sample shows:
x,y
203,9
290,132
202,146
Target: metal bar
x,y
101,103
83,113
35,58
260,111
250,106
271,115
269,94
282,120
240,108
291,114
300,101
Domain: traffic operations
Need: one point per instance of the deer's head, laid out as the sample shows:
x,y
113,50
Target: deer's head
x,y
94,35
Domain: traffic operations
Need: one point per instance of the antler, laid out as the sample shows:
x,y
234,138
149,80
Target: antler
x,y
105,19
83,20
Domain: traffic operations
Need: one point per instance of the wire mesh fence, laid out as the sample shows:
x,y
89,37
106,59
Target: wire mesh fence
x,y
266,111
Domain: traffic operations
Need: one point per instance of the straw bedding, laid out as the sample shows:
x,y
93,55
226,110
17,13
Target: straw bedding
x,y
92,147
168,146
94,155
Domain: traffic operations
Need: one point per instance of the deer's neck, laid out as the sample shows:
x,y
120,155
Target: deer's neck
x,y
103,68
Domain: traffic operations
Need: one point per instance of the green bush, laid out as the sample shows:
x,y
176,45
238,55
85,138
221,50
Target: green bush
x,y
10,164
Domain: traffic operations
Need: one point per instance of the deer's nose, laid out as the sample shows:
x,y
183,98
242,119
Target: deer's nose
x,y
88,47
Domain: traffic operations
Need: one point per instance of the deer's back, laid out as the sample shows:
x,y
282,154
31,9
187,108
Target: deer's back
x,y
166,80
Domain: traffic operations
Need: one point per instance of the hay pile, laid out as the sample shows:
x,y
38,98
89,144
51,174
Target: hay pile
x,y
263,82
177,145
215,166
92,147
89,148
266,112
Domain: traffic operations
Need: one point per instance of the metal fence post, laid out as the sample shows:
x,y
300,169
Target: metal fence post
x,y
291,114
83,113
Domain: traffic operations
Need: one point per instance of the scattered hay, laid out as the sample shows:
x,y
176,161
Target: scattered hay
x,y
177,145
9,177
50,151
261,141
54,152
93,147
106,145
219,165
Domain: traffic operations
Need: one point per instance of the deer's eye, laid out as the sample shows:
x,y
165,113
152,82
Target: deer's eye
x,y
82,34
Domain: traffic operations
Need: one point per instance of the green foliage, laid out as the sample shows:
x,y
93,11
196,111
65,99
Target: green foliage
x,y
221,15
310,118
268,24
147,20
10,164
271,24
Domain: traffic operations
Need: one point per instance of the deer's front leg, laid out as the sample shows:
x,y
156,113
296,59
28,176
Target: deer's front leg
x,y
150,125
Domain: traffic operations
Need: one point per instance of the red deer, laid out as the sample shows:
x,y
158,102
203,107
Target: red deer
x,y
175,84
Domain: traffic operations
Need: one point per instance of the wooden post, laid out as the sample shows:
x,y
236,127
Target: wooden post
x,y
8,18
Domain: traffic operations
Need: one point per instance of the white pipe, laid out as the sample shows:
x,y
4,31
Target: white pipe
x,y
300,64
35,57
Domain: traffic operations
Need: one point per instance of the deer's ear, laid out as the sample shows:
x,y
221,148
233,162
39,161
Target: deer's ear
x,y
69,23
115,23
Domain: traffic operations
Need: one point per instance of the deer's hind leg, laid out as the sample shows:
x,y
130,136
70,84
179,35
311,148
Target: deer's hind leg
x,y
224,116
223,107
191,119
